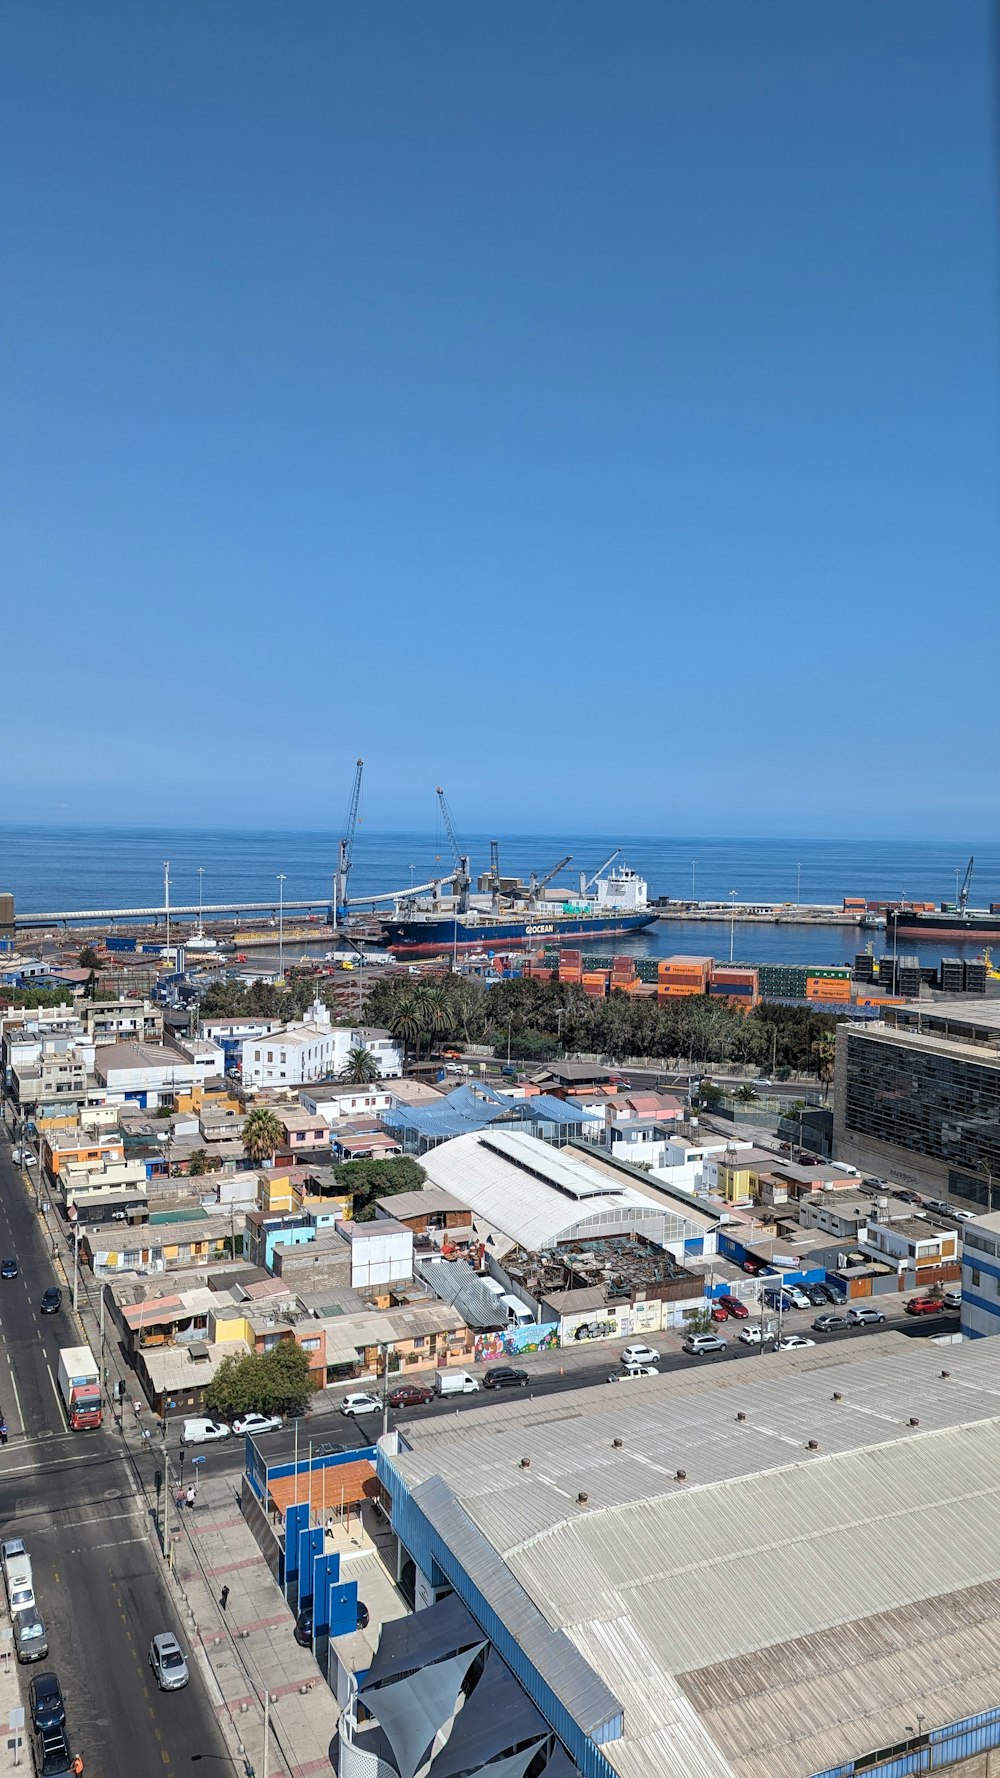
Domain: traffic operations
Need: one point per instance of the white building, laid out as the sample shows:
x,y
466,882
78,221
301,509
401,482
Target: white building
x,y
237,1030
981,1277
313,1050
685,1164
146,1073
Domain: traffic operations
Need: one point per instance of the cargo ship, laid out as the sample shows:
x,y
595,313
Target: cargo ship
x,y
951,920
514,915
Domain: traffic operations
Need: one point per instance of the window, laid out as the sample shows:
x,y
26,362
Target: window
x,y
975,1275
310,1345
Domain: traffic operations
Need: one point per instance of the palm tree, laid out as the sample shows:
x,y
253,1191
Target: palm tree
x,y
824,1050
361,1066
406,1022
437,1010
261,1135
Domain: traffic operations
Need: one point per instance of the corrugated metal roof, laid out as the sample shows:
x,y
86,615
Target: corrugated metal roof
x,y
781,1609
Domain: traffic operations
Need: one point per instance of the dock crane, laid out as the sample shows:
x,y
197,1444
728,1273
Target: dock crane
x,y
494,875
535,887
345,850
462,880
963,894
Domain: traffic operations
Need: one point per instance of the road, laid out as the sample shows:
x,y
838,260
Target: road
x,y
74,1499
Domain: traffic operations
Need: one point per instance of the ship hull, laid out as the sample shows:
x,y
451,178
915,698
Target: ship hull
x,y
417,938
944,925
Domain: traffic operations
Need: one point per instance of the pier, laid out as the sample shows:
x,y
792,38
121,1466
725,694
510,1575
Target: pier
x,y
783,913
91,916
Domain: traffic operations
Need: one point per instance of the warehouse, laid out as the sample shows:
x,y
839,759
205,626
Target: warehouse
x,y
788,1568
524,1193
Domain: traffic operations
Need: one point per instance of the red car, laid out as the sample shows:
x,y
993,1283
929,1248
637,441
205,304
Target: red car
x,y
734,1307
719,1313
410,1395
753,1266
925,1305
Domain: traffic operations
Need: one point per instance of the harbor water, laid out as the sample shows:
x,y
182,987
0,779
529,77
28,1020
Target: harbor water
x,y
79,868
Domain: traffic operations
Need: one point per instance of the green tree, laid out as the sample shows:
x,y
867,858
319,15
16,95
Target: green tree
x,y
746,1094
824,1049
275,1382
361,1066
198,1163
368,1180
88,958
262,1134
406,1023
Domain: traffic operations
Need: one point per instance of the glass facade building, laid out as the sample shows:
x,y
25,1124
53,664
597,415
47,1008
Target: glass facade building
x,y
933,1098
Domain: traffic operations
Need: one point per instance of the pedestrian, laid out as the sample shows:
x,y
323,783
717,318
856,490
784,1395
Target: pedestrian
x,y
190,1496
224,1598
3,1432
77,1766
330,1526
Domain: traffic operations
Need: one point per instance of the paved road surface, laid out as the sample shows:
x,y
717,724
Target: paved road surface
x,y
73,1498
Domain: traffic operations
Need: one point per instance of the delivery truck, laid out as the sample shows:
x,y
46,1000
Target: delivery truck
x,y
80,1387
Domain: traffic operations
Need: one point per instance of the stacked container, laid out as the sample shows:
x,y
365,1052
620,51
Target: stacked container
x,y
736,983
683,975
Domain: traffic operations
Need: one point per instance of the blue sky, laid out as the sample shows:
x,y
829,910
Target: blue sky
x,y
590,407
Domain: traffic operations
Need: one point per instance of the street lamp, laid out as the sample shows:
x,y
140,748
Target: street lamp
x,y
281,925
166,896
733,893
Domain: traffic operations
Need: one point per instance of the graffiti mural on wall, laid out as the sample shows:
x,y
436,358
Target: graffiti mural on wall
x,y
511,1340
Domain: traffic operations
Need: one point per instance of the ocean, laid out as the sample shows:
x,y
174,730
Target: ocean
x,y
68,868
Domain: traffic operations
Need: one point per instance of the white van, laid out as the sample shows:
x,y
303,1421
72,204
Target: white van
x,y
455,1383
20,1584
493,1286
516,1310
204,1432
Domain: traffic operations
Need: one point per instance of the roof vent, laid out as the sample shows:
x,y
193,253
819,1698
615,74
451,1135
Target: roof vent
x,y
681,1475
946,1373
741,1417
837,1396
581,1499
913,1420
812,1444
525,1462
617,1443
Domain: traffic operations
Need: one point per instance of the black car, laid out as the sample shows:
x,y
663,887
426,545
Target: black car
x,y
504,1376
45,1702
52,1754
51,1302
8,1269
824,1294
303,1631
816,1294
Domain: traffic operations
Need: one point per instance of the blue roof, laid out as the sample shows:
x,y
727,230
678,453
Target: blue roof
x,y
471,1108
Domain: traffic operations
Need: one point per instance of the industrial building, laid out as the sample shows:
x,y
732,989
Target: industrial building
x,y
787,1568
917,1098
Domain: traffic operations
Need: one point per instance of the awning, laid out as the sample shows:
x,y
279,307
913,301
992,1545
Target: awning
x,y
423,1637
560,1765
412,1711
497,1717
513,1765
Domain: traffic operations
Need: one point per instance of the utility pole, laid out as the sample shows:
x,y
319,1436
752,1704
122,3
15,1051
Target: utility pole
x,y
267,1730
385,1392
166,896
76,1267
281,925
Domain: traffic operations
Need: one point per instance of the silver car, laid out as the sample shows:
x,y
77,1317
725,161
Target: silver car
x,y
166,1657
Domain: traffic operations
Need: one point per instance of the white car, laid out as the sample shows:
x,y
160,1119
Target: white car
x,y
639,1355
750,1336
634,1370
793,1343
257,1423
360,1404
203,1432
798,1296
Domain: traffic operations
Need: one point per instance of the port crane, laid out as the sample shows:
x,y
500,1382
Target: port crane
x,y
460,877
963,894
345,849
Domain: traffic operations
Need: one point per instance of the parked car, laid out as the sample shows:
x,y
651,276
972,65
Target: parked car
x,y
778,1299
203,1432
166,1657
750,1336
798,1296
31,1641
953,1299
8,1269
410,1395
738,1310
793,1343
924,1305
718,1313
45,1702
816,1294
702,1345
52,1753
634,1370
905,1197
826,1294
51,1302
303,1628
861,1317
505,1376
250,1423
753,1267
640,1354
360,1404
830,1323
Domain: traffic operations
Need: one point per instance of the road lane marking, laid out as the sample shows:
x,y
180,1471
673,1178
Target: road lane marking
x,y
55,1391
